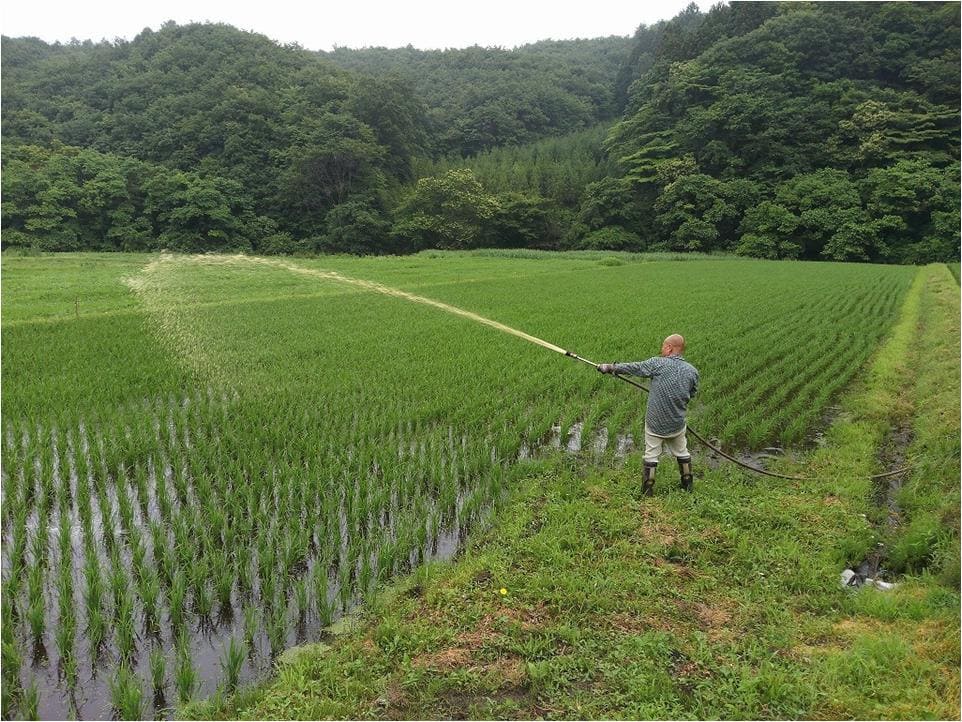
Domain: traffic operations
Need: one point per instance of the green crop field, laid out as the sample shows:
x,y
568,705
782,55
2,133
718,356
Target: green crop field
x,y
207,459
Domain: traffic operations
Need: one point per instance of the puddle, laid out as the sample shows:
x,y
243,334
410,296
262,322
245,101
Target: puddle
x,y
892,455
829,417
758,459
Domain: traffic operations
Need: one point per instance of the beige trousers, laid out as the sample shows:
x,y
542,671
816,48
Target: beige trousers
x,y
676,445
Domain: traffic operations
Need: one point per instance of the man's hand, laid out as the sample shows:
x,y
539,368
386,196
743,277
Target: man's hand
x,y
606,368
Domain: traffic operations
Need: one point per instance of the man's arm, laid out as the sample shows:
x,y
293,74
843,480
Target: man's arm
x,y
645,369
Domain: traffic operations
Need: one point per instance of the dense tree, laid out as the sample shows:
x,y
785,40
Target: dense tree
x,y
65,198
819,110
557,169
523,221
484,98
298,134
782,130
449,211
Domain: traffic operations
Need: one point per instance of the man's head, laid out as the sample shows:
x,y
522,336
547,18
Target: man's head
x,y
673,344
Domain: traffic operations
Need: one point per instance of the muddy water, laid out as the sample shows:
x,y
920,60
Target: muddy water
x,y
573,443
208,639
892,456
90,696
885,491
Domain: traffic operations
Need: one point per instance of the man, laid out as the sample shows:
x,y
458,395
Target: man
x,y
673,382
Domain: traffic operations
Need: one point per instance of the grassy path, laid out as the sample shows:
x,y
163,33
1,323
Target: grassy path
x,y
584,601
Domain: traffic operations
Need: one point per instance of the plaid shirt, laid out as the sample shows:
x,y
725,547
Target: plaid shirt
x,y
673,382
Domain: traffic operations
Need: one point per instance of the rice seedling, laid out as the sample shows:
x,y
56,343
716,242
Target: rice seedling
x,y
11,661
277,628
36,619
94,583
18,533
158,670
203,601
185,674
345,593
242,571
268,588
29,703
231,662
149,589
39,545
118,580
96,630
71,672
223,575
35,583
64,636
250,624
124,626
301,598
178,595
138,551
126,694
325,611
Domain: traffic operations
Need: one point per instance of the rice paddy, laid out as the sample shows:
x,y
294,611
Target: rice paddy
x,y
207,459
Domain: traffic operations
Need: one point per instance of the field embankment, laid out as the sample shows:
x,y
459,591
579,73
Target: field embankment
x,y
583,602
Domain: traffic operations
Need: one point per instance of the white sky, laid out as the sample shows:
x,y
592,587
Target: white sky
x,y
322,24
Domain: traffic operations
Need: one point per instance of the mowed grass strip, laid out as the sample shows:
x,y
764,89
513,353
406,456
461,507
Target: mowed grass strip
x,y
583,601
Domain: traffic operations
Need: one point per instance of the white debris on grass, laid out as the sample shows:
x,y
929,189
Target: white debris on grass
x,y
850,579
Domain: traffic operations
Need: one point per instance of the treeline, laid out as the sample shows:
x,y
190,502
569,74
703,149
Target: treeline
x,y
308,156
298,135
815,131
69,199
778,130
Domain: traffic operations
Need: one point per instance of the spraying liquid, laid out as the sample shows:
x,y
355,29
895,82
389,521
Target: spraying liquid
x,y
387,290
397,293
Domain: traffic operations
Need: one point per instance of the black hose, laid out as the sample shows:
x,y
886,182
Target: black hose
x,y
714,448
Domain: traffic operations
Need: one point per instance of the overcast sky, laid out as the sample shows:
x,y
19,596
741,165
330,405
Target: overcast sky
x,y
322,24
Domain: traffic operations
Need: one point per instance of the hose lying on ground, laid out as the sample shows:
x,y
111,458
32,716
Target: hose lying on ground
x,y
705,442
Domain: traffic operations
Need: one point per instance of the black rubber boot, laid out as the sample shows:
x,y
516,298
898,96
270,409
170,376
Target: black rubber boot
x,y
684,468
648,481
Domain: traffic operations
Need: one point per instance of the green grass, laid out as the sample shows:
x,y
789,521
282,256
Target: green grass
x,y
722,604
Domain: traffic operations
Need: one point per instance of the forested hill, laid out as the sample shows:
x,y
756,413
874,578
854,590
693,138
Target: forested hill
x,y
481,98
827,130
799,130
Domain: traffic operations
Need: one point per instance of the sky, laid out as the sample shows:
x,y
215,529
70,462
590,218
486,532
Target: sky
x,y
323,24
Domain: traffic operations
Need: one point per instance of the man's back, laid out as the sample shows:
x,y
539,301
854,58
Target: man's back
x,y
673,382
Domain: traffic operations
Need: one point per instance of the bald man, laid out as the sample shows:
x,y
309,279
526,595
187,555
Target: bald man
x,y
673,382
